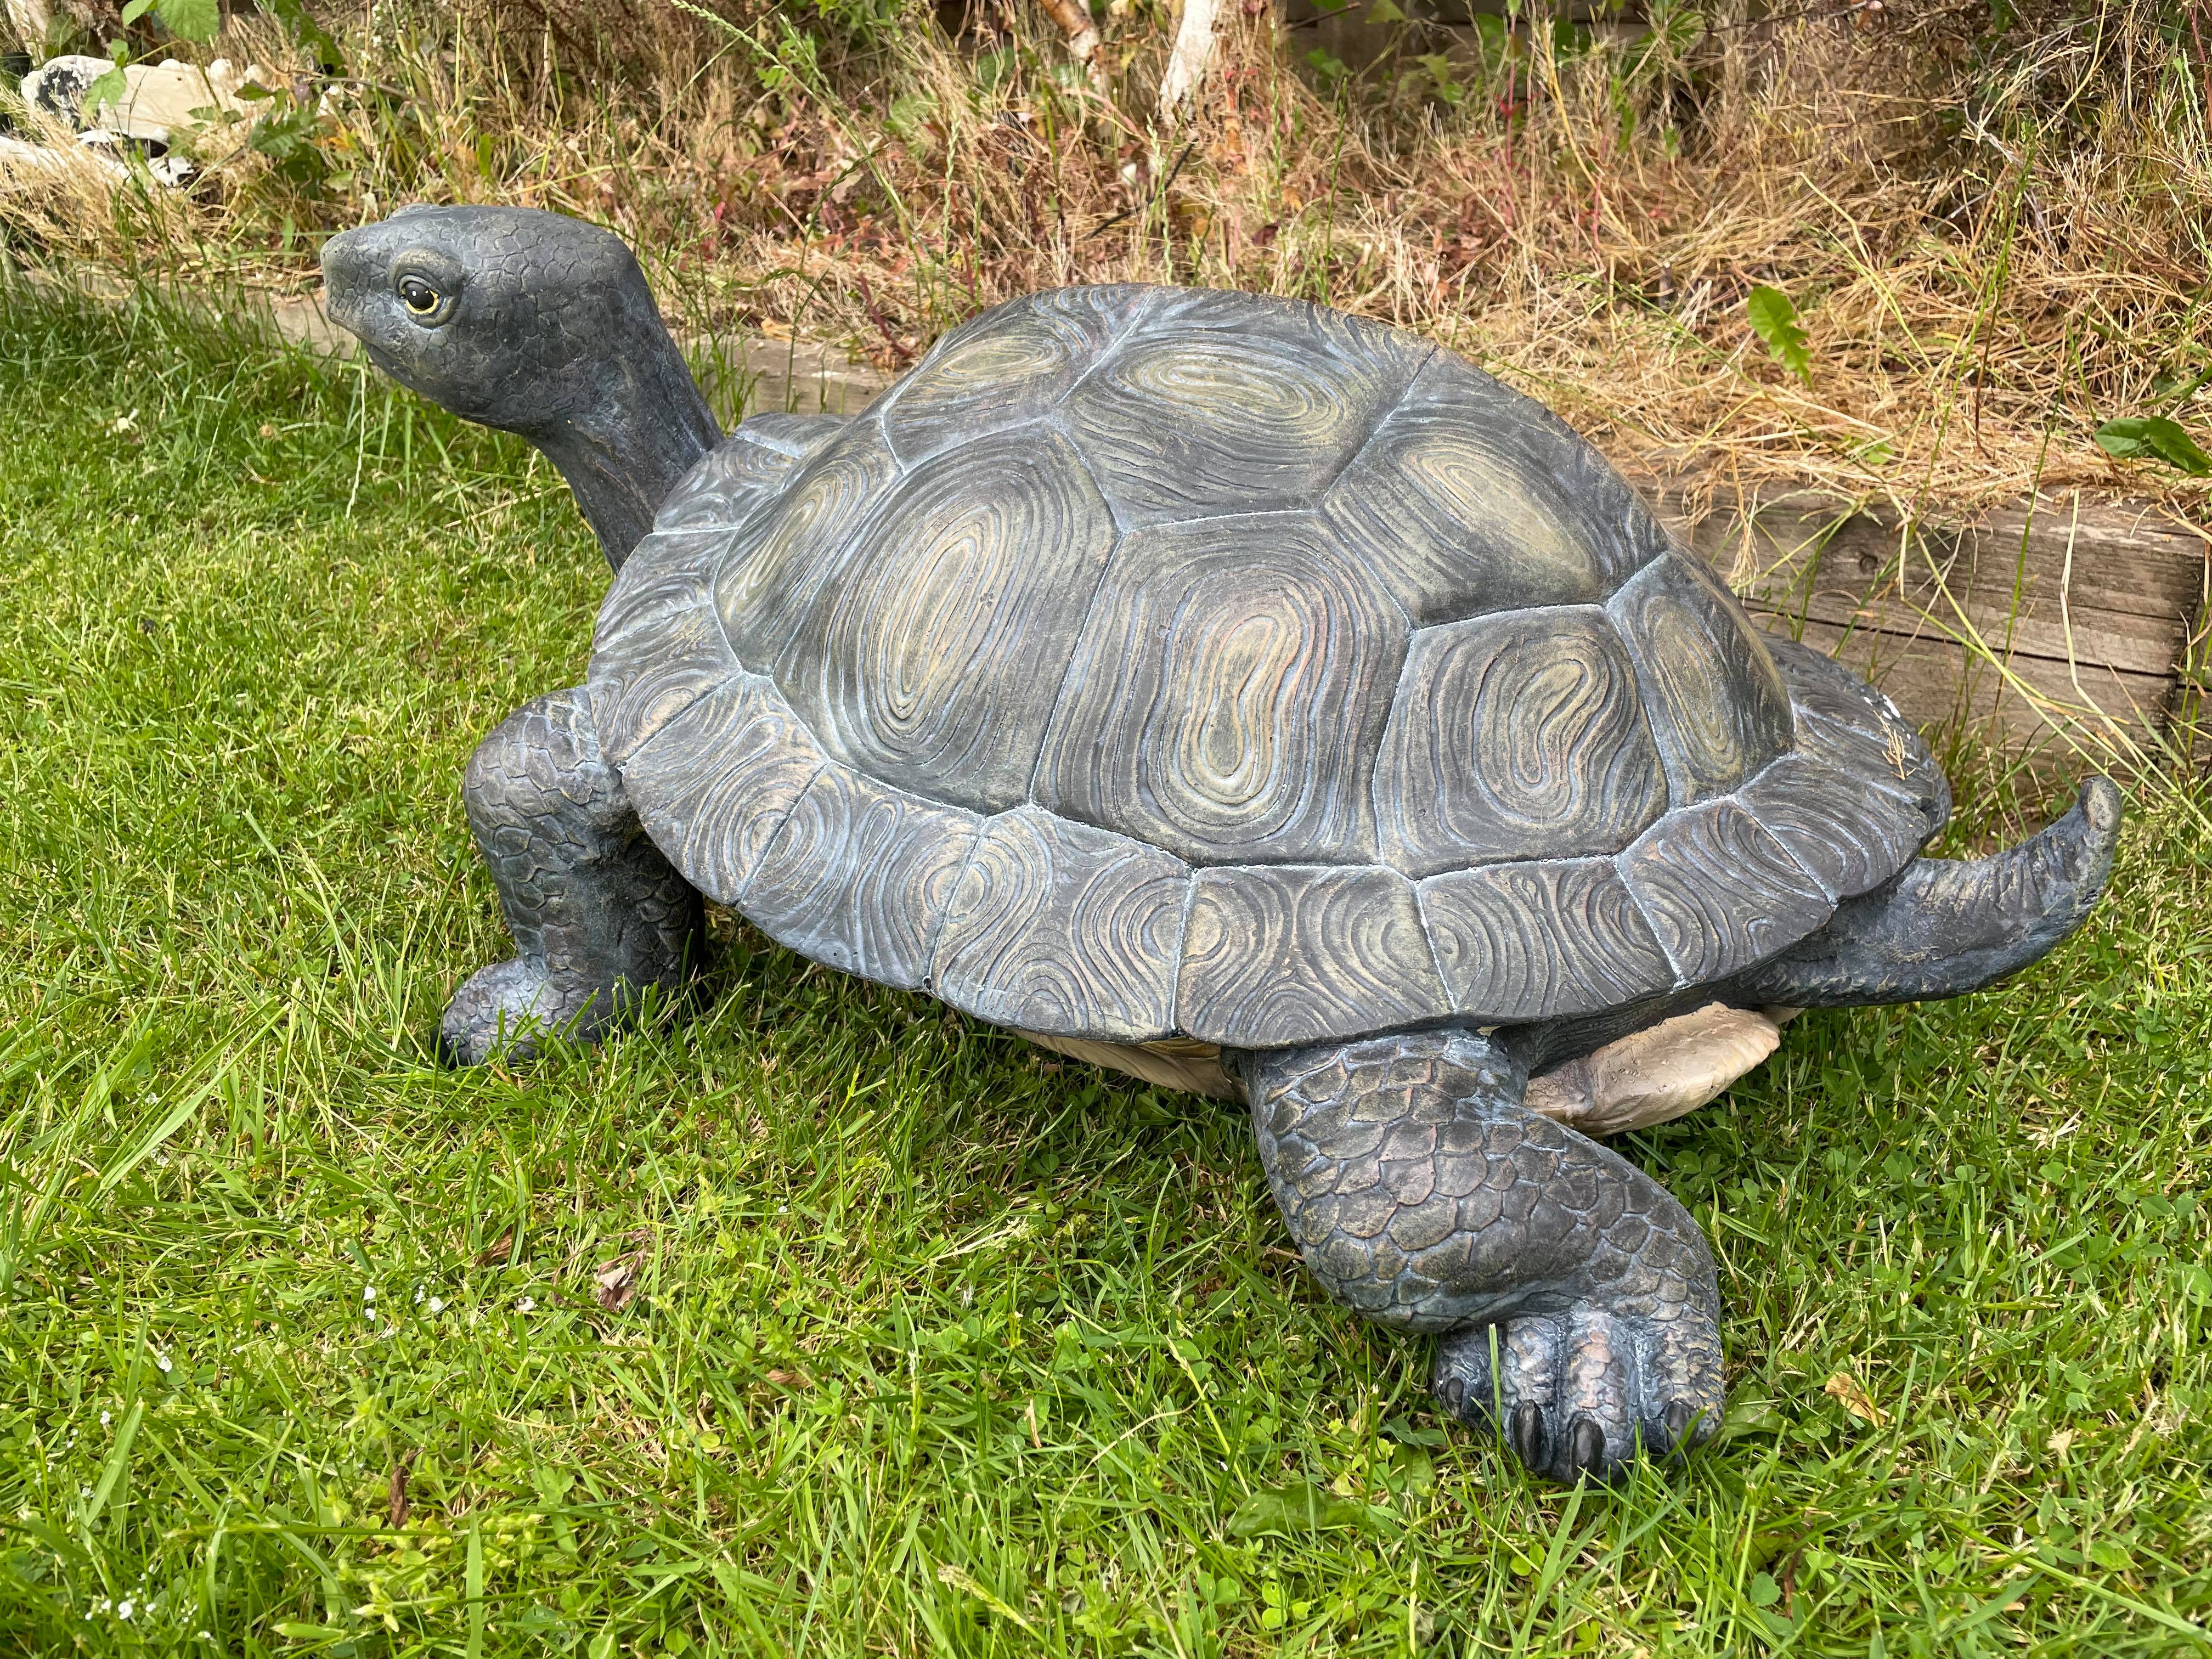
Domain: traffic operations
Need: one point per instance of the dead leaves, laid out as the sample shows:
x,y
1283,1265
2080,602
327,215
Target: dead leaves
x,y
614,1283
1845,1391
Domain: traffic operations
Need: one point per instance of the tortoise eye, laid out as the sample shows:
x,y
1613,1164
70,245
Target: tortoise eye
x,y
418,297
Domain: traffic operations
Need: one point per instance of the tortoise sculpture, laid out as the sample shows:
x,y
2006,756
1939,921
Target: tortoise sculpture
x,y
1198,680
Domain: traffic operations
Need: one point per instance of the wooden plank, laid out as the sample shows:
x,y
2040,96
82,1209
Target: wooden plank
x,y
2084,614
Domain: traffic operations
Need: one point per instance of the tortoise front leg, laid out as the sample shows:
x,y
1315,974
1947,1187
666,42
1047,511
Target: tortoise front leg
x,y
598,914
1425,1196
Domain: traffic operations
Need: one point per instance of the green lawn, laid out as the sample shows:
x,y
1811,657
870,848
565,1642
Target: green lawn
x,y
933,1344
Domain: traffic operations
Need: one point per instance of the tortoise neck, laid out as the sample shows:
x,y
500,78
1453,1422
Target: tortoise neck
x,y
622,453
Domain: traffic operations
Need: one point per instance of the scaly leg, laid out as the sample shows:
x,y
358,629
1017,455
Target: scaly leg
x,y
1426,1197
597,913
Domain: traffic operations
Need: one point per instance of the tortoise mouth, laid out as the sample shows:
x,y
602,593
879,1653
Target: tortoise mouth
x,y
346,280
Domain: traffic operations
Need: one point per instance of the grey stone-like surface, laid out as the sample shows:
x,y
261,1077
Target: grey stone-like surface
x,y
1541,939
1063,929
597,915
1227,693
514,319
1226,674
1516,737
1422,1194
1716,701
1275,955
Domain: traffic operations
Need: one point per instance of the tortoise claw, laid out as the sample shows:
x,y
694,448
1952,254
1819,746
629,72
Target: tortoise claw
x,y
1577,1395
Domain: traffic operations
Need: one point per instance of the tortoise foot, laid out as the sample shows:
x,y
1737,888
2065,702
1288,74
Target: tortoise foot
x,y
1424,1194
605,927
503,1009
1577,1392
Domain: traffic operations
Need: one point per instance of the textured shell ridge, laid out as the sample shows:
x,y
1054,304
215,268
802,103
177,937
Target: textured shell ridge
x,y
1515,735
777,565
921,664
1227,693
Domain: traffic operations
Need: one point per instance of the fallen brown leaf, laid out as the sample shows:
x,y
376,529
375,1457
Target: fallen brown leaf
x,y
1855,1400
615,1281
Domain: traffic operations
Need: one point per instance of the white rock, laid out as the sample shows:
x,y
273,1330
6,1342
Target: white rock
x,y
20,159
32,22
157,103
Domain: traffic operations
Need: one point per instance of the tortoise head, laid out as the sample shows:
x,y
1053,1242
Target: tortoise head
x,y
536,323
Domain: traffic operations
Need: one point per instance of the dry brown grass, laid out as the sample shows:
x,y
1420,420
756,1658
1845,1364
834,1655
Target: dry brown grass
x,y
1995,245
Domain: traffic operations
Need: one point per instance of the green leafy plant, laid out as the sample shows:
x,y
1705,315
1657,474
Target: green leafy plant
x,y
286,135
310,36
2153,438
1446,86
1300,1507
1774,319
196,20
1330,70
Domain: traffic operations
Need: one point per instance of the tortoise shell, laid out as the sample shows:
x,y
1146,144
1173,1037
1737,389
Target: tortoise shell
x,y
1155,663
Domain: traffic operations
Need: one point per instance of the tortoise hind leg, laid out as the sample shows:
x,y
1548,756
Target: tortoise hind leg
x,y
1424,1194
598,914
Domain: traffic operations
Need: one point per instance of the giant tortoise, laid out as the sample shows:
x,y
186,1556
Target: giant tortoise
x,y
1201,681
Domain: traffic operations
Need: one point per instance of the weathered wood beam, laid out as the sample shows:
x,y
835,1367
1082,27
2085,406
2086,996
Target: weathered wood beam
x,y
2066,623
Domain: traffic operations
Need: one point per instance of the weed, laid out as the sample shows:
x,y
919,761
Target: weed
x,y
1991,221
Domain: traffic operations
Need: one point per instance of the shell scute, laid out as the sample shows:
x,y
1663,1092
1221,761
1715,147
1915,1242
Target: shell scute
x,y
1005,367
657,647
743,473
1278,955
775,568
1848,839
1227,693
1228,403
1516,736
1542,939
1721,893
1063,928
1472,498
859,876
715,785
1846,724
930,667
1716,701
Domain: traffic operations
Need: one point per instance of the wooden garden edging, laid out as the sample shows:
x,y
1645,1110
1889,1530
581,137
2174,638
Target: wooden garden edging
x,y
2075,625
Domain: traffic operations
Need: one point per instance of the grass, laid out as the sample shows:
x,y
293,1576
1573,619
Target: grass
x,y
931,1344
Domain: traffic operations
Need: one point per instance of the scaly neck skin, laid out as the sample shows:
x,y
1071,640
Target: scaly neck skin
x,y
644,429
